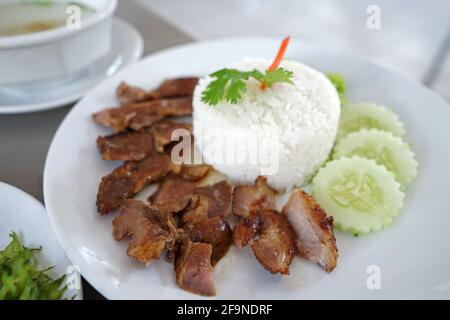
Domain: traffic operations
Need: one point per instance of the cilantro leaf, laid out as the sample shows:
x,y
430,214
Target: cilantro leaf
x,y
215,91
277,75
229,84
235,89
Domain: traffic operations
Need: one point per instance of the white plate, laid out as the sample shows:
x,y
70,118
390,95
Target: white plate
x,y
127,47
412,255
26,216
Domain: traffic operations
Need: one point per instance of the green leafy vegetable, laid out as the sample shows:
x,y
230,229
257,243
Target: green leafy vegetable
x,y
277,75
339,83
229,84
20,278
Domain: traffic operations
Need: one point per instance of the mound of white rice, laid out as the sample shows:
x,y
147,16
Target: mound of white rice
x,y
284,133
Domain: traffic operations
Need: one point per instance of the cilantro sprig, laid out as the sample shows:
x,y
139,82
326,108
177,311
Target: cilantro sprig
x,y
229,84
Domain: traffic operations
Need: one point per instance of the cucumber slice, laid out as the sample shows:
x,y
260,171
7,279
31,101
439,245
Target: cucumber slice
x,y
382,147
355,117
361,195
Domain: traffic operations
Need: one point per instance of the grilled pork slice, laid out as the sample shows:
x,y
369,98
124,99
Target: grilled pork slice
x,y
130,178
150,230
247,230
315,235
163,130
127,146
276,246
129,94
247,202
209,201
194,172
193,269
173,194
141,115
216,198
261,226
253,198
214,231
136,145
180,87
203,220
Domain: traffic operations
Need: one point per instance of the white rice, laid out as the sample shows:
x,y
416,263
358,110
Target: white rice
x,y
301,121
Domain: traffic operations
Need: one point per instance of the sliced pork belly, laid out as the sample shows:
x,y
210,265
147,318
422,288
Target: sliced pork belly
x,y
163,130
214,231
209,201
150,230
130,178
195,172
253,198
204,218
247,230
179,87
275,248
261,226
193,269
216,198
127,146
136,145
141,115
174,194
247,202
129,94
314,230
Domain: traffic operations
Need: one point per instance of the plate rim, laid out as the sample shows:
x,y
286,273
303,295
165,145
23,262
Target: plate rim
x,y
104,289
62,102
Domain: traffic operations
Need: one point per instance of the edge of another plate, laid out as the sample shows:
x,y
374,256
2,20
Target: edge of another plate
x,y
29,237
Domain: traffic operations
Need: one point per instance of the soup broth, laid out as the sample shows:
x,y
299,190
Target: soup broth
x,y
23,18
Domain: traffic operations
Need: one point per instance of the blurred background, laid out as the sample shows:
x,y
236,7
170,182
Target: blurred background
x,y
413,36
